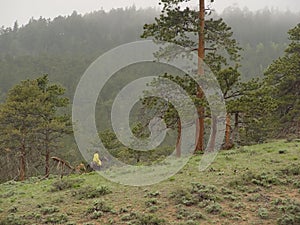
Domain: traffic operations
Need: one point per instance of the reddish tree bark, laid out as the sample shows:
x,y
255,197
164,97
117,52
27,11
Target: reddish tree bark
x,y
23,162
200,94
47,158
228,143
47,164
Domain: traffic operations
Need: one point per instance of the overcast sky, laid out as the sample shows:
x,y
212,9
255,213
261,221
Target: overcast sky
x,y
23,10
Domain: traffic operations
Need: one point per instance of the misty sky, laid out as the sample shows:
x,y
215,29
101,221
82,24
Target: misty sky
x,y
23,10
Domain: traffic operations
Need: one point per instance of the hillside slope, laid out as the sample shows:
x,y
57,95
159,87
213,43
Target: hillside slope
x,y
250,185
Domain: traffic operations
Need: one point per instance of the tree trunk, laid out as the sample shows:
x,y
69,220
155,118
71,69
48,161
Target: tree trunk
x,y
23,162
178,142
47,157
200,94
228,143
47,164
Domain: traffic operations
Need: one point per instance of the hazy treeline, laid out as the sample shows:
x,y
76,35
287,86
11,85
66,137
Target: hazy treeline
x,y
262,35
65,46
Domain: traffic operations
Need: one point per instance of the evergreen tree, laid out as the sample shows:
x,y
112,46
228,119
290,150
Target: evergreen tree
x,y
186,27
30,121
19,120
283,75
53,125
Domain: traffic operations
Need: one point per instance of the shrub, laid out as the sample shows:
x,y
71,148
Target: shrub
x,y
8,194
12,219
230,197
287,219
98,209
49,210
13,209
255,198
153,194
182,196
213,208
189,222
89,192
153,209
142,219
34,215
263,213
226,191
61,185
151,202
148,219
129,216
182,213
196,216
60,219
292,170
239,206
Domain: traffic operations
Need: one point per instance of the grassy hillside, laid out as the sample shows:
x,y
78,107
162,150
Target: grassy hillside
x,y
249,185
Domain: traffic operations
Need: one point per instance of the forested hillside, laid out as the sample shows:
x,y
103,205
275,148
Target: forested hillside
x,y
262,35
65,46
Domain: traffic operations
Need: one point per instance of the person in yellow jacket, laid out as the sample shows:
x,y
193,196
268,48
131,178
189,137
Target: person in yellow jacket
x,y
96,164
96,159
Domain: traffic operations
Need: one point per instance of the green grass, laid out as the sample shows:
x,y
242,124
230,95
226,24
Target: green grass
x,y
249,185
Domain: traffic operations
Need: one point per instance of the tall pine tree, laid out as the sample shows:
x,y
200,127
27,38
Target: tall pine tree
x,y
188,28
30,122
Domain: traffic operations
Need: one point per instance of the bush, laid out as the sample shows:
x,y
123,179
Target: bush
x,y
98,209
142,219
13,209
153,209
182,213
196,216
89,192
12,219
214,208
292,170
199,193
148,219
226,191
61,185
153,194
288,219
60,219
8,194
49,210
182,196
263,213
264,180
291,210
189,222
151,202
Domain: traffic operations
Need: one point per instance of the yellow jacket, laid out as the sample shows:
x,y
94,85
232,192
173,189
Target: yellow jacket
x,y
96,159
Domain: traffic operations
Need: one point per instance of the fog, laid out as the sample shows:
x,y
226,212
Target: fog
x,y
22,11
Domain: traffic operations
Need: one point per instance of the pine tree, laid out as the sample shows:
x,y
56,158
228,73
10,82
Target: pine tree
x,y
53,125
19,120
30,122
188,28
283,75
